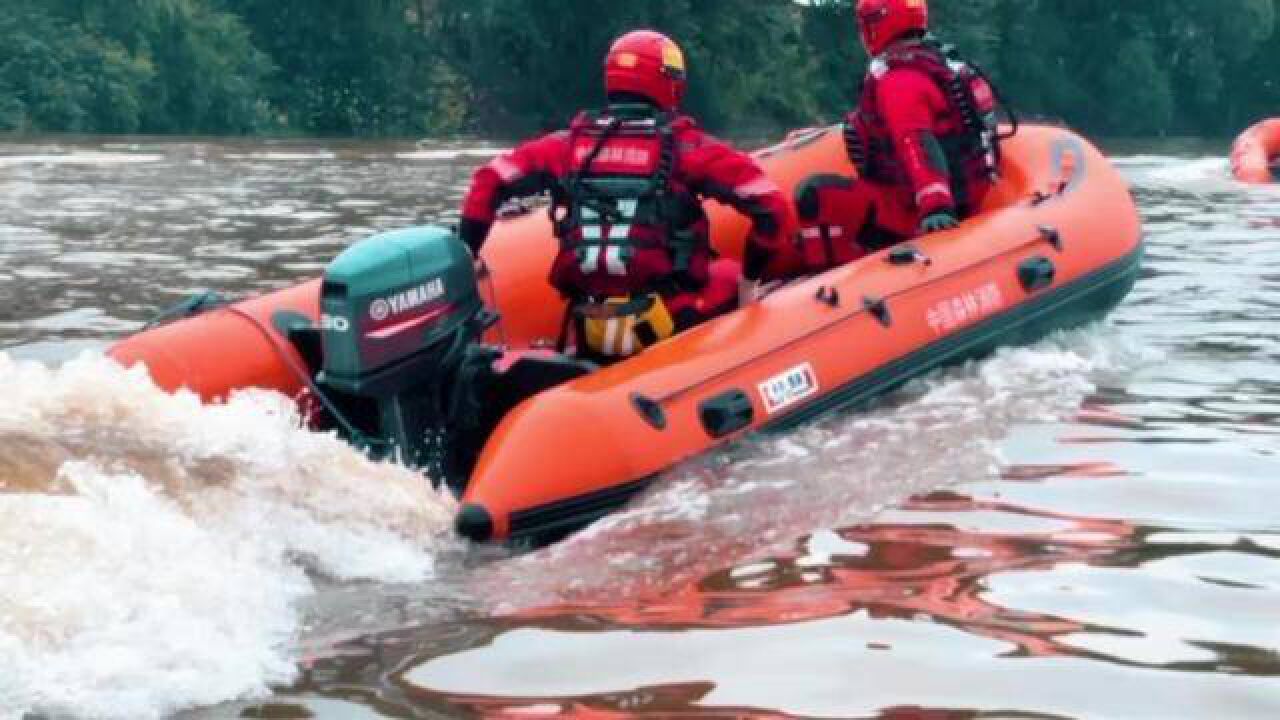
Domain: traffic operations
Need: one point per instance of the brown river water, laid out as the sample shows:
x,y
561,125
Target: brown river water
x,y
1085,528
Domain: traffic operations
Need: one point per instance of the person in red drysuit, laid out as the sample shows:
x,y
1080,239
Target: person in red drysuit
x,y
635,259
924,138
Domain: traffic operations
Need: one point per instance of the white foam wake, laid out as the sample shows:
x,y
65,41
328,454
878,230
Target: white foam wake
x,y
81,157
1194,175
154,552
473,153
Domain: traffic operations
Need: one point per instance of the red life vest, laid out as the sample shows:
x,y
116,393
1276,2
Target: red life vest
x,y
626,224
969,137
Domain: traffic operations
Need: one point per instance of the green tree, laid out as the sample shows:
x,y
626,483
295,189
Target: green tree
x,y
209,76
56,76
831,39
529,68
137,65
348,66
406,67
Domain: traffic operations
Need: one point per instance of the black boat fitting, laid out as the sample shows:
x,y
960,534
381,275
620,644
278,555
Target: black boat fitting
x,y
474,523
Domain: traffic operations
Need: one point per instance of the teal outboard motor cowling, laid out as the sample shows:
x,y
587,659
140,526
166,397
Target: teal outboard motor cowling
x,y
400,323
393,307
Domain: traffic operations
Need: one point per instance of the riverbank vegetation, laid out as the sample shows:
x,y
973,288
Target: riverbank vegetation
x,y
508,67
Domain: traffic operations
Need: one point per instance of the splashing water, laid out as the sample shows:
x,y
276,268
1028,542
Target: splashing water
x,y
158,552
154,552
226,550
745,501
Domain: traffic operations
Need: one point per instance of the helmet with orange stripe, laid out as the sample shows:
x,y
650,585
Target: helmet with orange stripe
x,y
646,63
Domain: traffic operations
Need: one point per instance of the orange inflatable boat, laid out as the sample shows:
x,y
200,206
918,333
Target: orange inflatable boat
x,y
1255,157
1058,244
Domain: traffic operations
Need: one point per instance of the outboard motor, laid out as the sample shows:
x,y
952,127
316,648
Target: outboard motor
x,y
400,324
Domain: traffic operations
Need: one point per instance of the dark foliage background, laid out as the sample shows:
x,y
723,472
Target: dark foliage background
x,y
508,67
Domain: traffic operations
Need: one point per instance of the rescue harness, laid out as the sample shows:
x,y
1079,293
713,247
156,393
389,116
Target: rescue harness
x,y
969,92
627,233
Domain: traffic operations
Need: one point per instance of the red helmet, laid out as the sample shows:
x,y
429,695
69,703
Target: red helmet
x,y
883,21
646,63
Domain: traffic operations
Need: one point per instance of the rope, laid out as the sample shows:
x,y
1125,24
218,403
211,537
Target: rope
x,y
307,380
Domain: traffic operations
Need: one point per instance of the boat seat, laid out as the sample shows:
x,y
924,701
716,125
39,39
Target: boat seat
x,y
534,372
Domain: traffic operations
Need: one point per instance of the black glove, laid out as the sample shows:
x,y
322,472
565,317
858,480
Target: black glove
x,y
473,233
938,220
754,260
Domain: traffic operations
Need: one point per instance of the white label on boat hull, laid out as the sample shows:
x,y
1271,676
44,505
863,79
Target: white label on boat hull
x,y
786,389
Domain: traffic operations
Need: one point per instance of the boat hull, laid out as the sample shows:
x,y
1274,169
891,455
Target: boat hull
x,y
1255,154
1086,301
1060,247
1058,244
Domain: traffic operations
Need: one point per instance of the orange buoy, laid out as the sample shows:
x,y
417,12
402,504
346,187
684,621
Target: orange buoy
x,y
1256,153
1058,243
